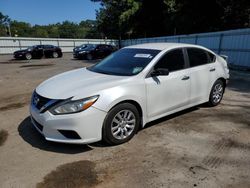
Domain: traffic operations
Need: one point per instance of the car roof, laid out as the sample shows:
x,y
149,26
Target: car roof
x,y
162,46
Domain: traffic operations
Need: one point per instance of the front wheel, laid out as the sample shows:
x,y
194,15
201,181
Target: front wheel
x,y
121,123
28,56
55,55
216,93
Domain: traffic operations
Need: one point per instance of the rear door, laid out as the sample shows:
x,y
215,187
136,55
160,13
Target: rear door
x,y
100,51
108,50
171,92
47,50
200,74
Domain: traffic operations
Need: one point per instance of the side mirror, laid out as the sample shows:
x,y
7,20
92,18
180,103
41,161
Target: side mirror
x,y
160,72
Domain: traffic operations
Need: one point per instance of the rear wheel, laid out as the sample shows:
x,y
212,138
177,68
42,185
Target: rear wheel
x,y
216,93
28,56
55,55
121,124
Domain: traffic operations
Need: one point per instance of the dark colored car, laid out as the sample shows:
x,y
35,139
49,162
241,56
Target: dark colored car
x,y
93,51
38,51
81,47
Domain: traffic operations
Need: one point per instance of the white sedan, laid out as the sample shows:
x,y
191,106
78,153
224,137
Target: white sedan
x,y
133,86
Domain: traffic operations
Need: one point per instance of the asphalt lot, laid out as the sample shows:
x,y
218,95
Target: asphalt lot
x,y
199,147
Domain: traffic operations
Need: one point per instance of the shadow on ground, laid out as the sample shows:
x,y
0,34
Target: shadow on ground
x,y
35,139
3,136
94,61
239,81
172,116
37,65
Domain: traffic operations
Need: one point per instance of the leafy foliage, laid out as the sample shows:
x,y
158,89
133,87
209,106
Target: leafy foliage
x,y
144,18
66,29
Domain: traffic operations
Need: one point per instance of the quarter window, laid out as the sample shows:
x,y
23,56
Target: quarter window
x,y
212,57
173,61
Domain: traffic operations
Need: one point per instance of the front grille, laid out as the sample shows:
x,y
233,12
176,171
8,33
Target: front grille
x,y
39,101
43,103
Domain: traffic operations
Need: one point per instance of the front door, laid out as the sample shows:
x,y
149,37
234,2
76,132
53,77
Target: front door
x,y
169,92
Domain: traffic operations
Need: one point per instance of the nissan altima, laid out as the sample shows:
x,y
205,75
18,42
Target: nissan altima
x,y
111,100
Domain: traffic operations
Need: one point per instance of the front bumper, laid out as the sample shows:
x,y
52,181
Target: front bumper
x,y
18,56
79,55
87,124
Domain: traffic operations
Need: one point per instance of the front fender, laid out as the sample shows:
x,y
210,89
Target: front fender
x,y
111,97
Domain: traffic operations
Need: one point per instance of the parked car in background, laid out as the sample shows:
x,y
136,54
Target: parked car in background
x,y
81,47
38,51
111,100
93,51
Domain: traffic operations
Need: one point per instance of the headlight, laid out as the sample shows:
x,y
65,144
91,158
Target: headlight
x,y
70,107
81,52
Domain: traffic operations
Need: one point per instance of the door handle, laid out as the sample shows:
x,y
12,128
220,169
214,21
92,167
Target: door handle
x,y
212,69
185,78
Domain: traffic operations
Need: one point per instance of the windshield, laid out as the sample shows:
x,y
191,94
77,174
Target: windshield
x,y
83,46
125,62
32,47
90,47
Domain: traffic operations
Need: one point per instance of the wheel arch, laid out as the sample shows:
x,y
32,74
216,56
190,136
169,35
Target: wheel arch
x,y
224,83
136,104
223,80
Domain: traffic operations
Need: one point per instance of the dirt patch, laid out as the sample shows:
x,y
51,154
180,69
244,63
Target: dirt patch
x,y
14,102
218,154
3,136
13,62
71,175
12,106
37,65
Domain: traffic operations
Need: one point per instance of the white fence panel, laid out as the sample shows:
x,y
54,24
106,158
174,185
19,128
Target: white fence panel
x,y
10,44
233,43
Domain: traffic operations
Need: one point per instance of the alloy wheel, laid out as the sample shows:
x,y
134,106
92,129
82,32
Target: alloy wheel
x,y
123,124
217,93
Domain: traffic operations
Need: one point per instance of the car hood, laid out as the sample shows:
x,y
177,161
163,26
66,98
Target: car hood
x,y
78,83
78,48
20,51
86,50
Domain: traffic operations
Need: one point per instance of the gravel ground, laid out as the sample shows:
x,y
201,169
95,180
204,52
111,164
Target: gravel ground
x,y
198,147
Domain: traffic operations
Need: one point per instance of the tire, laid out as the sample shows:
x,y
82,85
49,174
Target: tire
x,y
28,56
89,57
55,55
121,124
216,93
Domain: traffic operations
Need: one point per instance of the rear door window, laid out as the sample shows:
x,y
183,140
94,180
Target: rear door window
x,y
197,57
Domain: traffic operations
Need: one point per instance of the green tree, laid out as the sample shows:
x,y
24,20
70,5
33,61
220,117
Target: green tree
x,y
66,29
4,23
236,14
113,18
144,18
40,31
22,29
193,16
